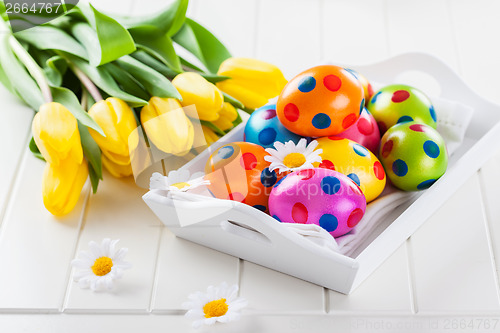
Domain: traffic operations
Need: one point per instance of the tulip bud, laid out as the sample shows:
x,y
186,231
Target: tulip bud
x,y
55,131
227,115
196,90
62,184
167,126
116,170
252,82
117,121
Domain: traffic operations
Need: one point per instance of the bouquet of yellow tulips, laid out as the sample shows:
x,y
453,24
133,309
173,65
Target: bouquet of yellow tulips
x,y
94,79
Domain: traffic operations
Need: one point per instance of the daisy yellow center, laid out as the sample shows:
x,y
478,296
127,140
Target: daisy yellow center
x,y
294,160
215,308
181,185
102,266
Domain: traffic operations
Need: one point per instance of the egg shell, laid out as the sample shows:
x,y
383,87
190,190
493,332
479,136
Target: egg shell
x,y
414,155
321,101
354,161
237,171
367,87
318,196
398,103
264,128
364,131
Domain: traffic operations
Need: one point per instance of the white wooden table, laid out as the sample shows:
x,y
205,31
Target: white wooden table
x,y
445,278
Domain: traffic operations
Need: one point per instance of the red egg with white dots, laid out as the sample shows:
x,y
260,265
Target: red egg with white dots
x,y
318,196
321,101
364,131
237,171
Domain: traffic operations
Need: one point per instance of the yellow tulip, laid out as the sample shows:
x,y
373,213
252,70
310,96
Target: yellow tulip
x,y
55,131
167,126
227,115
117,121
252,82
116,170
205,139
195,89
62,184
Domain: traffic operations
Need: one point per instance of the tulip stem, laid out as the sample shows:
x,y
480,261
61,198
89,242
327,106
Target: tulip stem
x,y
32,67
87,83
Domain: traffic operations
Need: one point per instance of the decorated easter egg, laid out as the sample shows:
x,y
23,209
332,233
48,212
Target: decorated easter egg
x,y
364,131
237,171
264,128
367,87
354,161
318,196
321,101
398,103
414,155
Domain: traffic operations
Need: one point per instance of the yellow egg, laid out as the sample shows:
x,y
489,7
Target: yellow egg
x,y
354,161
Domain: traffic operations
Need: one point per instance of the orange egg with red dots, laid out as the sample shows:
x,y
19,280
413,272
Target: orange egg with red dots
x,y
237,171
321,101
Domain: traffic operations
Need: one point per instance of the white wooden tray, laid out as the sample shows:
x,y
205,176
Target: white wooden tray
x,y
245,232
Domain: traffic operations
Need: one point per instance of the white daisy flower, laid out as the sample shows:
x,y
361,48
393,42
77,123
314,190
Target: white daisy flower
x,y
291,157
98,268
218,304
177,180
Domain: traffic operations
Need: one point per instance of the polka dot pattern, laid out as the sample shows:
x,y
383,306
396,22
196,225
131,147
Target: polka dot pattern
x,y
276,218
378,170
431,149
400,96
327,164
399,168
328,222
332,82
354,178
306,174
269,114
291,112
433,113
225,152
236,196
354,218
300,213
349,120
417,128
262,208
248,161
321,121
360,150
362,106
365,126
268,178
426,184
307,84
330,185
404,119
387,148
267,136
373,100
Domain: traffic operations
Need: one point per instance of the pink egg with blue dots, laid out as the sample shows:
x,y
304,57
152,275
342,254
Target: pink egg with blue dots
x,y
364,131
318,196
264,128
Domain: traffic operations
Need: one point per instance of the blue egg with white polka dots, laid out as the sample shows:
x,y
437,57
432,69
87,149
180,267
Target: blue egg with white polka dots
x,y
264,128
413,155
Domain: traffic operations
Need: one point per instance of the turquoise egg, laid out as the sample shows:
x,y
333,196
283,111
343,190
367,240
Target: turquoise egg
x,y
414,155
264,128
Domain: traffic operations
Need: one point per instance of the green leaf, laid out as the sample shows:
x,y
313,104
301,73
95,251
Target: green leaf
x,y
93,154
214,78
152,62
34,149
54,69
202,44
106,41
5,80
155,83
212,127
160,47
16,74
67,98
126,81
166,22
237,121
51,38
233,101
105,81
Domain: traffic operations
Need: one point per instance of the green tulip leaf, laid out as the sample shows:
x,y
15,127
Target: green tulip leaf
x,y
105,40
126,81
51,38
105,81
166,22
67,98
233,101
34,149
54,69
93,154
160,47
5,80
202,44
213,127
154,63
18,78
155,83
214,78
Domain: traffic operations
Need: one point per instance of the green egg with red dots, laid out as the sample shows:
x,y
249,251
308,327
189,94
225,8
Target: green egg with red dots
x,y
414,156
399,103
